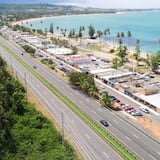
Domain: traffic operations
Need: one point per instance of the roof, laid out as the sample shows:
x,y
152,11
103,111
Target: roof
x,y
101,70
153,99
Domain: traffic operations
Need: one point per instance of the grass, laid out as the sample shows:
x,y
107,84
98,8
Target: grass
x,y
118,146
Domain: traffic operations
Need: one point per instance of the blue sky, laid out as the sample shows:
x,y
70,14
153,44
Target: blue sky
x,y
97,3
117,3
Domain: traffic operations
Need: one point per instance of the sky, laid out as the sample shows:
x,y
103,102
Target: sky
x,y
97,3
116,3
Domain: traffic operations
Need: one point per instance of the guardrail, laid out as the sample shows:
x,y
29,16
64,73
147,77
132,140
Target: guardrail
x,y
113,141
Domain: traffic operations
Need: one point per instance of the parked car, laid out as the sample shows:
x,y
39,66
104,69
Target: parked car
x,y
113,98
128,108
104,122
136,113
131,110
125,105
116,100
145,110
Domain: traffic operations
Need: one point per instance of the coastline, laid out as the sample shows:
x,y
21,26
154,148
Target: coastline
x,y
109,45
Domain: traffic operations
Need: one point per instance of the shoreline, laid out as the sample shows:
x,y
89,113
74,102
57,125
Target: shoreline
x,y
110,45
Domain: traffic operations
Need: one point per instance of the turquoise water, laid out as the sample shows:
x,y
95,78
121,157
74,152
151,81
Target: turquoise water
x,y
143,25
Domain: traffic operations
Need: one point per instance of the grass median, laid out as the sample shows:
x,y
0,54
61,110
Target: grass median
x,y
117,145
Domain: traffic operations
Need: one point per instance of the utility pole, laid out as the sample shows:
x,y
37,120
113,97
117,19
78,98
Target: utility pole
x,y
62,130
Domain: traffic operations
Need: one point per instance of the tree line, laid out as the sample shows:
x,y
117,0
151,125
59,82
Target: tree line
x,y
86,83
121,52
24,132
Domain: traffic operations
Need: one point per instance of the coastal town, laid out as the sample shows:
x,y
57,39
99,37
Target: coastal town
x,y
143,87
127,87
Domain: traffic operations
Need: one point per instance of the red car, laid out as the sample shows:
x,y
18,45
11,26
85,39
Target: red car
x,y
116,100
128,108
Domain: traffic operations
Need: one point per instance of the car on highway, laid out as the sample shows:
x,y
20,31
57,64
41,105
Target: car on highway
x,y
145,110
34,67
104,122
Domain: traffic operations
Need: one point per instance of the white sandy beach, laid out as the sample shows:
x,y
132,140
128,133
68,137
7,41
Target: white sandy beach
x,y
104,54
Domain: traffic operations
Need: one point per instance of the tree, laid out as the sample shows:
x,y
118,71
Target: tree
x,y
51,29
106,100
122,52
129,35
74,50
91,31
115,62
45,31
137,51
106,32
80,31
99,33
155,61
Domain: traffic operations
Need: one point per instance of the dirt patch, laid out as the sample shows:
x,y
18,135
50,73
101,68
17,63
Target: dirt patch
x,y
151,125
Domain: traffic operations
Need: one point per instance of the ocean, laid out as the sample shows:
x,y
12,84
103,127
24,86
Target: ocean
x,y
143,25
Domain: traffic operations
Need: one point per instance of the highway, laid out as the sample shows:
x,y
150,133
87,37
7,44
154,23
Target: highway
x,y
91,146
133,138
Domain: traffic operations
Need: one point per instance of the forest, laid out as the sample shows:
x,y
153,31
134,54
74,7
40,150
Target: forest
x,y
24,132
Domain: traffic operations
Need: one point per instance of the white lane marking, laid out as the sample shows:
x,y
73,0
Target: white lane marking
x,y
87,136
93,111
135,135
152,157
87,100
115,121
128,138
158,153
73,121
106,154
99,109
81,102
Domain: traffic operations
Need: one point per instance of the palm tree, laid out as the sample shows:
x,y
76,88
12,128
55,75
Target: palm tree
x,y
51,29
137,51
106,100
45,31
91,31
106,32
129,35
99,33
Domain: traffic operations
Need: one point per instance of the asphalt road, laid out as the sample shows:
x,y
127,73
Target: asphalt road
x,y
91,146
133,138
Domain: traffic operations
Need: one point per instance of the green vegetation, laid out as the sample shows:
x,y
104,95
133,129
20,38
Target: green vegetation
x,y
29,49
137,51
24,132
108,137
106,100
155,61
84,82
18,11
122,53
91,31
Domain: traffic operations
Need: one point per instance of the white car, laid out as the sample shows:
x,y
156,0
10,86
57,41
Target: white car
x,y
145,110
